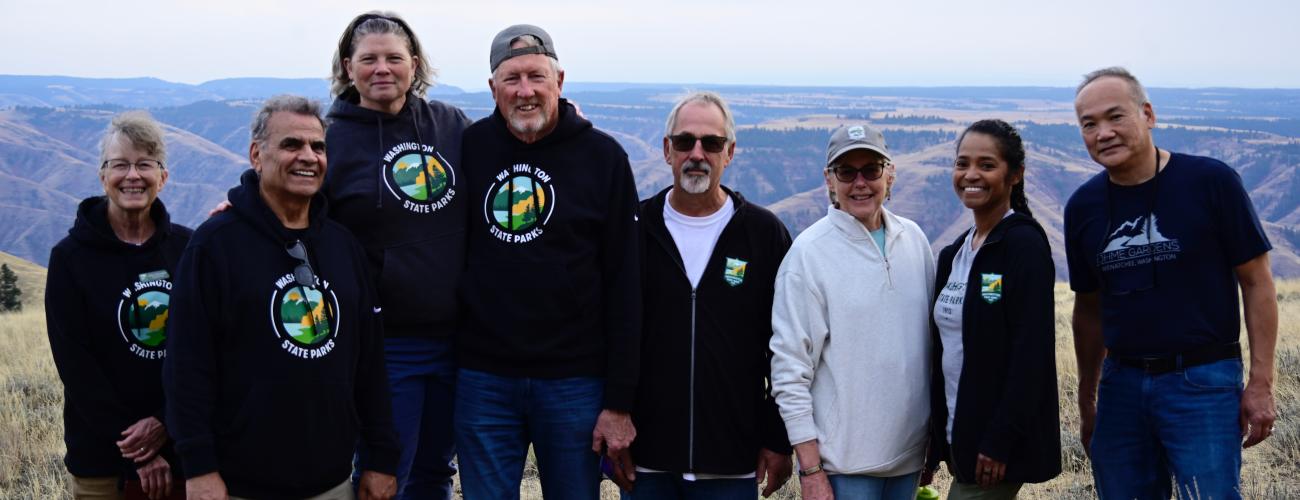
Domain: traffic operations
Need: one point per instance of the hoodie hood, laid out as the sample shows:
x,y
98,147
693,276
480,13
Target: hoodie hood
x,y
1012,220
569,124
92,228
346,108
249,205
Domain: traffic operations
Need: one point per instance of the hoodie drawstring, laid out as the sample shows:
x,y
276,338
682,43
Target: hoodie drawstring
x,y
379,181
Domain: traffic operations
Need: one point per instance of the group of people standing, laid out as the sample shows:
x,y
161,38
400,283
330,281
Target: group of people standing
x,y
405,287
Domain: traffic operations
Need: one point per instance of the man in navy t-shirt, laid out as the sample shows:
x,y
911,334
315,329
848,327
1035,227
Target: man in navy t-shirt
x,y
1157,245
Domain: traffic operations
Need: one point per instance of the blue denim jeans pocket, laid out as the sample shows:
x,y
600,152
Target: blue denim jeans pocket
x,y
1218,376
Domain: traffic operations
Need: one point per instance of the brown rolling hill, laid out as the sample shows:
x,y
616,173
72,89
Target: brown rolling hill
x,y
31,279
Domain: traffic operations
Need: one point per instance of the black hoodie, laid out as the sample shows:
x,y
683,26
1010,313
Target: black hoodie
x,y
702,402
106,308
553,255
256,389
1007,402
415,242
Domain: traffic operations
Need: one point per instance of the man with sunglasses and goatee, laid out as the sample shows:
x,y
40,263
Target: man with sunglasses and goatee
x,y
1158,244
275,370
706,425
548,348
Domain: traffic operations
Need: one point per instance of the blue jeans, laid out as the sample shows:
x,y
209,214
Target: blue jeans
x,y
670,485
1182,423
497,417
861,487
422,379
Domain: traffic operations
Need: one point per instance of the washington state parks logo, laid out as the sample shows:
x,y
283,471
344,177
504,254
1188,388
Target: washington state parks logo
x,y
304,318
420,177
519,203
142,315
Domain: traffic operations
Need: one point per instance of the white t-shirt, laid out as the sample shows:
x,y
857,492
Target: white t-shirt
x,y
696,236
947,316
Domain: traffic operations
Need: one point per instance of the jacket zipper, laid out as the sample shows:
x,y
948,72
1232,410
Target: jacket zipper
x,y
690,440
952,447
889,275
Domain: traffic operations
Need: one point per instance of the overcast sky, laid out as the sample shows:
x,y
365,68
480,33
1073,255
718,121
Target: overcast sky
x,y
1167,43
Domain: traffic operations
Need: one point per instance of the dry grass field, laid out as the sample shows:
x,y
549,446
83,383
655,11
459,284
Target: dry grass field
x,y
31,427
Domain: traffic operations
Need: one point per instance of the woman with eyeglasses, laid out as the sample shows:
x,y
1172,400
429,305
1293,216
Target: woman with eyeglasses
x,y
993,402
851,343
395,182
106,304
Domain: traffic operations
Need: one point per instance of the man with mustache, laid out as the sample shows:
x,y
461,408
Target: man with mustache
x,y
272,402
548,349
708,428
1157,245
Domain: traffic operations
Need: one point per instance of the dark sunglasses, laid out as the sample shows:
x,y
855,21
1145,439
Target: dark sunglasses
x,y
303,274
686,142
871,172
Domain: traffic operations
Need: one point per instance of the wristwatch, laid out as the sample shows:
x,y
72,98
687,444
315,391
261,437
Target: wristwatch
x,y
811,470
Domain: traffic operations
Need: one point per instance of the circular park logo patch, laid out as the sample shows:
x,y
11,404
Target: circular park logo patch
x,y
519,203
419,177
142,317
305,318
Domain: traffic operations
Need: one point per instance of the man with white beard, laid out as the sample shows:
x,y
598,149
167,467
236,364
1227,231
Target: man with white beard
x,y
706,425
552,323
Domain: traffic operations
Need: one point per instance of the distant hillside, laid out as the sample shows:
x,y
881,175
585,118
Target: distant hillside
x,y
31,279
50,91
49,155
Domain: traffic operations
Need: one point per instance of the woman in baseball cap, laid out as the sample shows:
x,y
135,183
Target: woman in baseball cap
x,y
855,408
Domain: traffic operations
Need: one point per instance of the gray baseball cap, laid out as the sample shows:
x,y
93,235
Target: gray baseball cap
x,y
501,44
855,136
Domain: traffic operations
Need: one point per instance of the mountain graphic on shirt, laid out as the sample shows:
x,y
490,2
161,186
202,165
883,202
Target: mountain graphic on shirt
x,y
410,177
1133,234
147,318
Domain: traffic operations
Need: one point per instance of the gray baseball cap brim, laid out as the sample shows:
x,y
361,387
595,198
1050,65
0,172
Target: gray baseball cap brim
x,y
856,136
501,50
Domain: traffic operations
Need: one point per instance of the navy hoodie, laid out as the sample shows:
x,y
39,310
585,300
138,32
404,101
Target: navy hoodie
x,y
554,255
271,383
411,219
106,308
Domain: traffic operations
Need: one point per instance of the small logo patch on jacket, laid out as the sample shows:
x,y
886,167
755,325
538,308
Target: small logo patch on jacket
x,y
991,287
734,273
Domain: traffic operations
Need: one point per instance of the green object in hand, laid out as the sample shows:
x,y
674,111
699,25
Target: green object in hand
x,y
927,493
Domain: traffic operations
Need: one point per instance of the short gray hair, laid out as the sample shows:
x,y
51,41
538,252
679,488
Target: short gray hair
x,y
138,128
706,97
287,103
1135,88
532,41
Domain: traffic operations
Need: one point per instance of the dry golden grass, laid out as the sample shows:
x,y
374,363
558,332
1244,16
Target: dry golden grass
x,y
31,399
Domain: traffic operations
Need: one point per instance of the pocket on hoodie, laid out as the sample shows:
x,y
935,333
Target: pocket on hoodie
x,y
313,428
532,293
418,281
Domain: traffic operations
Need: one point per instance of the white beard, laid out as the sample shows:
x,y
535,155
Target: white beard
x,y
696,184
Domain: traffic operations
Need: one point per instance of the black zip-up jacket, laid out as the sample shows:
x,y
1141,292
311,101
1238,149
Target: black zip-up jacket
x,y
702,401
1006,398
269,382
397,183
553,255
106,307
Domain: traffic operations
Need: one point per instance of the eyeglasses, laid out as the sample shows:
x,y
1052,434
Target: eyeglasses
x,y
686,142
143,167
305,277
870,171
1149,259
303,274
